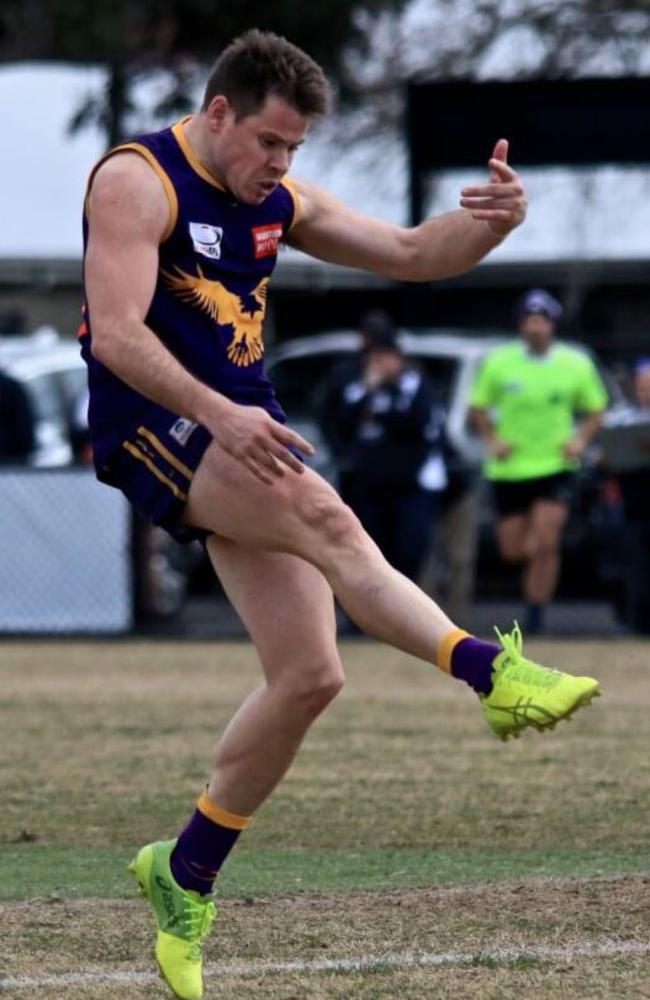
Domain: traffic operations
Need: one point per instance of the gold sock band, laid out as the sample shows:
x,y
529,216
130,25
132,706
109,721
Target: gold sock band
x,y
447,646
218,815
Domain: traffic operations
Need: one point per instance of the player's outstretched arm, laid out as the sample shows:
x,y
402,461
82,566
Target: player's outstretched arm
x,y
438,248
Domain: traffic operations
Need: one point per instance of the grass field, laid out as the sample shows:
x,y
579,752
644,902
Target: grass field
x,y
408,853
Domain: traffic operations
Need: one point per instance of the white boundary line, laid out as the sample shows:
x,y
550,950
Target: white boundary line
x,y
363,963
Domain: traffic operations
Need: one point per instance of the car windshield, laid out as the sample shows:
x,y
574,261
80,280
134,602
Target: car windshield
x,y
44,396
443,371
297,380
74,382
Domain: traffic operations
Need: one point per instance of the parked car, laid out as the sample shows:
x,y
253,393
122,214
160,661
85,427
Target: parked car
x,y
54,375
297,368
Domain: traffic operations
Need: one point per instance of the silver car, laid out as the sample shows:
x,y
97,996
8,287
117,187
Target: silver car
x,y
451,358
54,376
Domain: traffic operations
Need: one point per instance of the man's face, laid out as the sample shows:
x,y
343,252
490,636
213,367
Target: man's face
x,y
385,363
251,155
538,331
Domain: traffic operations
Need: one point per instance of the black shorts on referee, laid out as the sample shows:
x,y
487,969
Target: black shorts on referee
x,y
517,497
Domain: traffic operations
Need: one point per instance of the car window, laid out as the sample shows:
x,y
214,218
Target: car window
x,y
74,382
297,379
443,371
44,396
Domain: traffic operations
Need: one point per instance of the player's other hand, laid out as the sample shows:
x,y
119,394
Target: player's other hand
x,y
502,202
259,442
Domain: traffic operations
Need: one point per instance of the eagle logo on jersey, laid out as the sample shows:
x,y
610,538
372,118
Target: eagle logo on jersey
x,y
245,314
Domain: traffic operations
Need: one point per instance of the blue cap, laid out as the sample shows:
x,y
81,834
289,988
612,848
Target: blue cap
x,y
641,365
378,331
537,300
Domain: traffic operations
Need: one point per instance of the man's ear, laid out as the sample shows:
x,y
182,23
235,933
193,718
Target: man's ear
x,y
217,112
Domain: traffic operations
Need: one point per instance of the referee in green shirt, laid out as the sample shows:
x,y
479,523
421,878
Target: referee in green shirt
x,y
536,404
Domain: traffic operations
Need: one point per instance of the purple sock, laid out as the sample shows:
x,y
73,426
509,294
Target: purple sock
x,y
472,660
200,851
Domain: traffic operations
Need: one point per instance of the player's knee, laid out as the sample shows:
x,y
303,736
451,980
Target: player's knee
x,y
312,690
335,522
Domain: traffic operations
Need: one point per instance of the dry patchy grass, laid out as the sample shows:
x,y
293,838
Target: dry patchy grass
x,y
110,744
99,935
114,741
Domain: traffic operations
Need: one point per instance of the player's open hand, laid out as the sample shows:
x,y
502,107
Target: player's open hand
x,y
259,442
502,202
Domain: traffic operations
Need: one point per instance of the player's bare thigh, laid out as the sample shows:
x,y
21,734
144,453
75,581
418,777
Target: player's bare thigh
x,y
227,499
286,605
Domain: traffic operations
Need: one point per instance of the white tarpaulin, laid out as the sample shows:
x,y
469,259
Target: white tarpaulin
x,y
64,553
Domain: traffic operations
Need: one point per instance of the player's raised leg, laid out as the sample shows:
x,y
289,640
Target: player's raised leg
x,y
303,515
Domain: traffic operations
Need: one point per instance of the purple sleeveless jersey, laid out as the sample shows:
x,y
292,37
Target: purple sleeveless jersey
x,y
208,308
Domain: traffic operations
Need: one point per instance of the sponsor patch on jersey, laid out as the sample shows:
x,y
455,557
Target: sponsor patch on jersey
x,y
206,239
266,239
182,430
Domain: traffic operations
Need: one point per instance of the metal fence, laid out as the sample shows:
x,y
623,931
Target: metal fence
x,y
65,554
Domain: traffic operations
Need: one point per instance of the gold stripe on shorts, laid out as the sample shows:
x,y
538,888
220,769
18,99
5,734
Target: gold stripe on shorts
x,y
169,483
166,453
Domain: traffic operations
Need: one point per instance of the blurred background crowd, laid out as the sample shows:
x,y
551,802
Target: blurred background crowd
x,y
388,380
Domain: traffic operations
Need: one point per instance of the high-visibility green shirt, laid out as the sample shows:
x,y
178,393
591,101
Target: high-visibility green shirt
x,y
534,402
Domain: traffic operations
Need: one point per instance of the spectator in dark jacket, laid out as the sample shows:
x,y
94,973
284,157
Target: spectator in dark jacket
x,y
16,422
635,491
385,427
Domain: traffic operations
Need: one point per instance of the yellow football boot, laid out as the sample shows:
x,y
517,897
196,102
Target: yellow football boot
x,y
183,918
526,694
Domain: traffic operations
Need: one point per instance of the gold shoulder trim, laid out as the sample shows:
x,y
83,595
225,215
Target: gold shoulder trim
x,y
179,134
297,207
146,154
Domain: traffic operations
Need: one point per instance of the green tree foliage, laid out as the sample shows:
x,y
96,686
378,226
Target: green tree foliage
x,y
368,48
544,38
495,39
132,37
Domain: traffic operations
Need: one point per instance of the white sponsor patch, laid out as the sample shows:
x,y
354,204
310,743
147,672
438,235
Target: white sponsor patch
x,y
182,430
206,239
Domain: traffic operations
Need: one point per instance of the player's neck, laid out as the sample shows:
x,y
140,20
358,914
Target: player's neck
x,y
196,136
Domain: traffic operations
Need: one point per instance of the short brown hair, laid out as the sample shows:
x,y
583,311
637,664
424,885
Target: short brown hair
x,y
259,63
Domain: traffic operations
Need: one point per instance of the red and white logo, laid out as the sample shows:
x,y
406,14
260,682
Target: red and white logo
x,y
266,239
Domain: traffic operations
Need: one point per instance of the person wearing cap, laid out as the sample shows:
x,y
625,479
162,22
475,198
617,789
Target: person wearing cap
x,y
536,404
372,324
385,426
